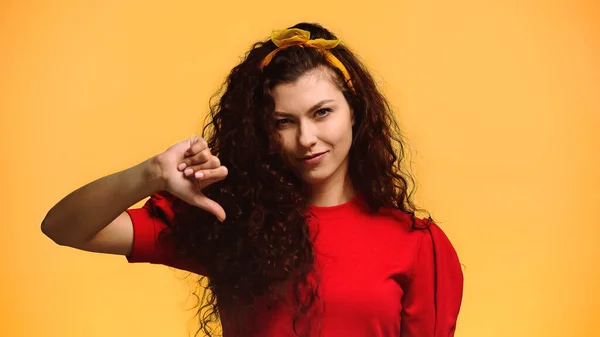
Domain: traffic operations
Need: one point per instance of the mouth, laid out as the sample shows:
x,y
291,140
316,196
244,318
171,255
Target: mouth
x,y
313,159
312,156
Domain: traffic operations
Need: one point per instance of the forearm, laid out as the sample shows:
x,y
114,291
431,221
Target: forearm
x,y
86,211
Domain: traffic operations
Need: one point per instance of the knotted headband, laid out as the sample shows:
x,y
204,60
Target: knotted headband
x,y
298,37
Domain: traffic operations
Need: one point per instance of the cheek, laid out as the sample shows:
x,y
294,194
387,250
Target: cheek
x,y
345,142
341,138
287,141
288,147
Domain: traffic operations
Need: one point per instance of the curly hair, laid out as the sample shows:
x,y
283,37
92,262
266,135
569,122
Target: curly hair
x,y
265,244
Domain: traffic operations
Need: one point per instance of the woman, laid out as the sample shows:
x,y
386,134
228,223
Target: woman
x,y
296,208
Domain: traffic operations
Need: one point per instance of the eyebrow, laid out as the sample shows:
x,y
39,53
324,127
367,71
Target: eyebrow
x,y
314,107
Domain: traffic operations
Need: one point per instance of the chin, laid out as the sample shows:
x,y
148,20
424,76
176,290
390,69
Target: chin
x,y
314,178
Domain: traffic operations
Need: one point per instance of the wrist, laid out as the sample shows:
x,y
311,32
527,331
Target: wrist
x,y
152,175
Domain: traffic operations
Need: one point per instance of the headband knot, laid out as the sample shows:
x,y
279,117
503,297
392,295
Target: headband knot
x,y
294,36
298,37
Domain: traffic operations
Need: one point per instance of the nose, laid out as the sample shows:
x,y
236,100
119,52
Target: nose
x,y
307,135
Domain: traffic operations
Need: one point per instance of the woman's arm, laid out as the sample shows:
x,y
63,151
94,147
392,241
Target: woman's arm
x,y
93,217
432,302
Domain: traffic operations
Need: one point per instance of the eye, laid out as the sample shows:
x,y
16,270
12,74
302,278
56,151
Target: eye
x,y
323,112
283,122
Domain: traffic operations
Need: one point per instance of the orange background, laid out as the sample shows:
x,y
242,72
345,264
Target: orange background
x,y
499,99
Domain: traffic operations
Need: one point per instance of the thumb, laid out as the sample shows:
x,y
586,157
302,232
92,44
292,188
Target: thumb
x,y
195,144
203,202
185,146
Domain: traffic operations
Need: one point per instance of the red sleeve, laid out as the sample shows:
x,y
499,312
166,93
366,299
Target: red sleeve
x,y
432,301
148,222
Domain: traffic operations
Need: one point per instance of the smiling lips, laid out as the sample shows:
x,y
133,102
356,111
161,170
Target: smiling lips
x,y
314,158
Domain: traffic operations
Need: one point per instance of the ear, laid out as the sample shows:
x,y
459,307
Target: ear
x,y
352,116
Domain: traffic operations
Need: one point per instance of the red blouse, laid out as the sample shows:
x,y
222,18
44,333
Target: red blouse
x,y
378,275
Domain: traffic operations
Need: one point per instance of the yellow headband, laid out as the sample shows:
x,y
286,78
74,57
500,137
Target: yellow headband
x,y
298,37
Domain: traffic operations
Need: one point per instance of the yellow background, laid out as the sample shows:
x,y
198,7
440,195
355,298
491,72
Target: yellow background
x,y
499,99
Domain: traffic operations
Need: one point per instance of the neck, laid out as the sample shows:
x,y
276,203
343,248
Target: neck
x,y
336,190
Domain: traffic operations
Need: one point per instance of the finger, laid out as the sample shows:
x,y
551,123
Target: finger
x,y
212,175
196,144
199,158
203,202
212,163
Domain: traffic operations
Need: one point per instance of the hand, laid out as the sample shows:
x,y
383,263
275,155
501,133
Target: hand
x,y
188,167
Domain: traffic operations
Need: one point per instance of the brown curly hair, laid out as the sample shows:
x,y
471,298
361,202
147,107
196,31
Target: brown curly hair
x,y
264,243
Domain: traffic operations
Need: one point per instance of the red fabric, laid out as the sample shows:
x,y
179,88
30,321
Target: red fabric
x,y
148,222
378,276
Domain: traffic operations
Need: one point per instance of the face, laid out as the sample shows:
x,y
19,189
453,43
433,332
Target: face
x,y
314,122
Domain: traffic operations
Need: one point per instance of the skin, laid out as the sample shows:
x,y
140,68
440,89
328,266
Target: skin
x,y
313,117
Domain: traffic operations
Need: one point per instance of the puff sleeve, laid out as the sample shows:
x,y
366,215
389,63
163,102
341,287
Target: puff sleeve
x,y
154,217
431,302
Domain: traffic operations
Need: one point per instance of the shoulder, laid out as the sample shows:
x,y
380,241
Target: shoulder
x,y
405,221
409,221
162,205
161,198
425,232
